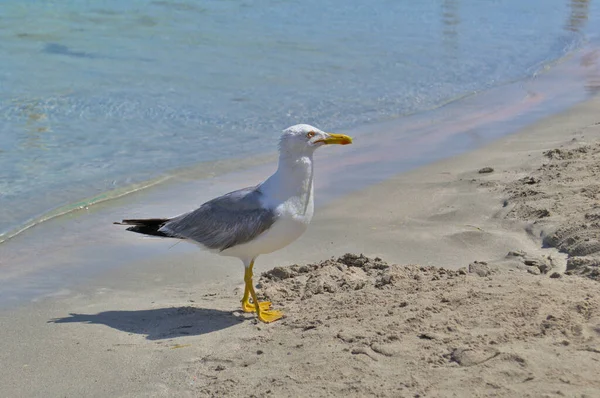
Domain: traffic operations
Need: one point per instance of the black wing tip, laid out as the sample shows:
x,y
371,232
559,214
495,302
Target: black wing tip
x,y
149,226
143,221
146,230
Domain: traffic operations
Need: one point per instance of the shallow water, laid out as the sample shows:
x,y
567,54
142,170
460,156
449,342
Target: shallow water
x,y
100,95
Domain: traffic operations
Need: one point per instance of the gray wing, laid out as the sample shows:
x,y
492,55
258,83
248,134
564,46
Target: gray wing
x,y
224,222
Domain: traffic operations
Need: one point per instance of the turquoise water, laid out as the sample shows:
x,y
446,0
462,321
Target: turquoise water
x,y
97,95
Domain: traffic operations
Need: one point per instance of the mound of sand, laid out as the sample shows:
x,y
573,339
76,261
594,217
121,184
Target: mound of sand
x,y
358,326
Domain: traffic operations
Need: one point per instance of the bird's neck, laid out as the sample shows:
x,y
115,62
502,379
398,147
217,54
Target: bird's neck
x,y
293,178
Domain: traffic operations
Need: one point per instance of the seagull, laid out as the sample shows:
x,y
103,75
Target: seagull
x,y
255,220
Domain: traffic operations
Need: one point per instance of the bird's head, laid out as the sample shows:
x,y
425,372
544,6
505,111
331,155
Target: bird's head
x,y
306,138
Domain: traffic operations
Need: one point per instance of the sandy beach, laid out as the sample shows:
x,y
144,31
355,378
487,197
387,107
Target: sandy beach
x,y
473,276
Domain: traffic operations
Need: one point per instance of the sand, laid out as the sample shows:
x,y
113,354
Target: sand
x,y
473,276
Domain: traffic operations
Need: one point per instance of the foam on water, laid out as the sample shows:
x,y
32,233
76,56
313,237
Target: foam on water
x,y
97,96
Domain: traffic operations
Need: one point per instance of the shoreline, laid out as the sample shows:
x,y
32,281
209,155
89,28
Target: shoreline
x,y
540,93
375,157
167,322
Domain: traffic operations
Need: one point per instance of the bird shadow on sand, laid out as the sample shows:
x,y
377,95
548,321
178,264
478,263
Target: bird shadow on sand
x,y
160,323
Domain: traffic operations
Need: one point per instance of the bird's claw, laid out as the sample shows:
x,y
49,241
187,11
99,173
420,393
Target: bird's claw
x,y
270,316
250,307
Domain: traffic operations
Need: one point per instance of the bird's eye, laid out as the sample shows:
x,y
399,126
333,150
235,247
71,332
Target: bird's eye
x,y
310,134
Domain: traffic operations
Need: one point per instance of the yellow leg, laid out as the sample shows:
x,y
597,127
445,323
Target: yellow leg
x,y
247,306
262,310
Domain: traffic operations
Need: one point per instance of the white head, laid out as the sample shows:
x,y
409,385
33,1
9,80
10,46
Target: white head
x,y
303,138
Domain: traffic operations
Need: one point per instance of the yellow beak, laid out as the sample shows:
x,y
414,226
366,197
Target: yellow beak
x,y
340,139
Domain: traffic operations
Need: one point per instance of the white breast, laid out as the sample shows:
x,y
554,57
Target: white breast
x,y
292,221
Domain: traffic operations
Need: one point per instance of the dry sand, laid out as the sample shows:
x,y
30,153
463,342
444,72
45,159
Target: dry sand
x,y
462,291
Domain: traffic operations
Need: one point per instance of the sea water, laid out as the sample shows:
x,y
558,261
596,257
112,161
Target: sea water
x,y
98,95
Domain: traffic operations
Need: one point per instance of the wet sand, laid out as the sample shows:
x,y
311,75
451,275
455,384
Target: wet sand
x,y
508,315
